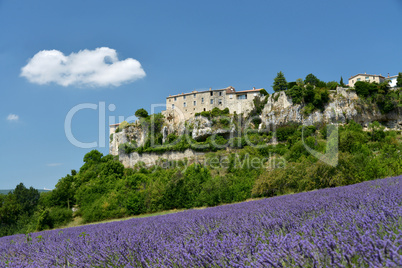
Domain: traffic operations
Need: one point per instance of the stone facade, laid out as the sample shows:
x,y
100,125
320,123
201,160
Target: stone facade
x,y
184,106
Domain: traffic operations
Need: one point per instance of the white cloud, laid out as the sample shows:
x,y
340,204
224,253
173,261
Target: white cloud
x,y
54,164
91,68
13,117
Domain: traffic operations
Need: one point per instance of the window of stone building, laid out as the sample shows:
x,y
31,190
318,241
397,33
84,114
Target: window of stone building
x,y
172,106
184,104
175,98
220,102
212,93
220,93
184,97
367,78
242,97
194,95
202,100
195,103
358,79
204,109
212,101
231,96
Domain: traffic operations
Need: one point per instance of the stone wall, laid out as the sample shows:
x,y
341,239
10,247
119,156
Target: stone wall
x,y
150,159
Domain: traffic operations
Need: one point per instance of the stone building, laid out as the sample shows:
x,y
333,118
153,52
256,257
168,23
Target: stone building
x,y
185,105
366,78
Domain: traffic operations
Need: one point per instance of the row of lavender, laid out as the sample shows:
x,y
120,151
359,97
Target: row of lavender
x,y
352,226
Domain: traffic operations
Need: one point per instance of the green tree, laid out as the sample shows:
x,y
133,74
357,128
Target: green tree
x,y
311,79
399,80
296,92
300,82
141,113
93,156
27,198
341,82
332,85
280,82
63,194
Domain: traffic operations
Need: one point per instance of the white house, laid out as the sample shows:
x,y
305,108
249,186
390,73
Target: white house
x,y
392,80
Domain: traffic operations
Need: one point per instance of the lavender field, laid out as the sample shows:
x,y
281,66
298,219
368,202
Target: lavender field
x,y
352,226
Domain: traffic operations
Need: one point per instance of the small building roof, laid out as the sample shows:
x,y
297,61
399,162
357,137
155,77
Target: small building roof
x,y
228,90
366,75
195,92
249,91
391,77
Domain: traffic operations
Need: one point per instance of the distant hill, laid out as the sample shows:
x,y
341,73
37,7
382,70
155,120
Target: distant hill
x,y
7,191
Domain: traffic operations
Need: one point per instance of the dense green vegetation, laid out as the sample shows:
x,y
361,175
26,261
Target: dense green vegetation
x,y
314,93
379,94
215,112
104,189
399,80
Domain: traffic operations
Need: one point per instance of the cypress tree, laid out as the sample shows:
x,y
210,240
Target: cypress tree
x,y
280,82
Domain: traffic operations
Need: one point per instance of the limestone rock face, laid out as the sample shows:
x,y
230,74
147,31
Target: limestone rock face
x,y
128,134
202,127
165,132
344,106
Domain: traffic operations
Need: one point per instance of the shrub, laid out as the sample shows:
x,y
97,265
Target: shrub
x,y
296,93
332,85
44,221
264,92
283,133
224,122
141,113
60,216
122,126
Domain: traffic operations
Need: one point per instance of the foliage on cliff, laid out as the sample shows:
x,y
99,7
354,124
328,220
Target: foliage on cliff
x,y
379,94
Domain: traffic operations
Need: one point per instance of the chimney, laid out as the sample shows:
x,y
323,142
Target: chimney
x,y
210,88
388,75
253,88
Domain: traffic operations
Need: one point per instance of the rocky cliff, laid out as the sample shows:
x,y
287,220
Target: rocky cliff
x,y
279,110
344,106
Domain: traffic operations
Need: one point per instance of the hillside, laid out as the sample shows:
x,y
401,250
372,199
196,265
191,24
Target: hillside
x,y
352,226
219,158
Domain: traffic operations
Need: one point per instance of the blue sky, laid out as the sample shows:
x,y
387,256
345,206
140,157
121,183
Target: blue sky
x,y
164,47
